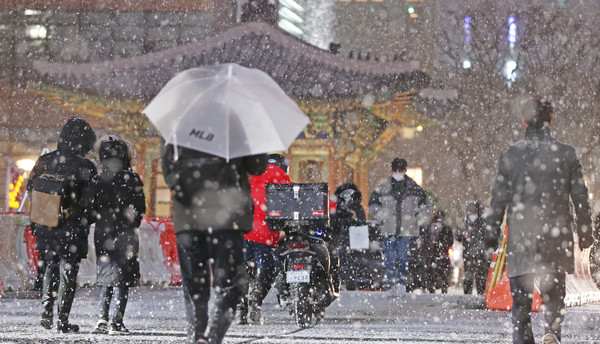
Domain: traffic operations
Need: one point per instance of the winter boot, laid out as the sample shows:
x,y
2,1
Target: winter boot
x,y
101,327
241,316
47,320
256,315
118,329
65,327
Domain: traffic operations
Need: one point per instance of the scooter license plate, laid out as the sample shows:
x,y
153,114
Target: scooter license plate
x,y
298,276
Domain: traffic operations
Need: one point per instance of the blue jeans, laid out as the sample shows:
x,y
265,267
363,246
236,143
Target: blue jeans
x,y
120,295
396,259
259,256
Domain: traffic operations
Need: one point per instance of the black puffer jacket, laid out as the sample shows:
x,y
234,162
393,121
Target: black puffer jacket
x,y
70,238
349,212
119,206
209,192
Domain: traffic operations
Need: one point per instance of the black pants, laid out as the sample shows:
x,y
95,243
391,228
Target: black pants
x,y
120,295
199,252
476,269
552,290
262,267
60,282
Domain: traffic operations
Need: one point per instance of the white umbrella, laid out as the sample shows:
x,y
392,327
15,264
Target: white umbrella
x,y
226,110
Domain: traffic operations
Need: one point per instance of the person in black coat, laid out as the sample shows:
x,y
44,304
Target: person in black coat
x,y
436,240
212,210
348,212
472,236
541,190
63,247
119,206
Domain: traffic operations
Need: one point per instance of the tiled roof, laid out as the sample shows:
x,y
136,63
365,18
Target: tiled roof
x,y
302,70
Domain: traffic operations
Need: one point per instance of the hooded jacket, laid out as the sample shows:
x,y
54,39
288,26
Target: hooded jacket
x,y
76,140
260,231
537,180
119,206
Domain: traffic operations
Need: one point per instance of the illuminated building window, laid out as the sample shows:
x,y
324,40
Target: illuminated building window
x,y
36,31
32,12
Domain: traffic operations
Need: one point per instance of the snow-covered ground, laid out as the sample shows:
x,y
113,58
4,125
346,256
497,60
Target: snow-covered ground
x,y
156,315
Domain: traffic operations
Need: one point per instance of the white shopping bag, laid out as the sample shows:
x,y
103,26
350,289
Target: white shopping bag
x,y
359,237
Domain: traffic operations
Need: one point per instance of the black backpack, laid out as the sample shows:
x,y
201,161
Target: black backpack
x,y
49,200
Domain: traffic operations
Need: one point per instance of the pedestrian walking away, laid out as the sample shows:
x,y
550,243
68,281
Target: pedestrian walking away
x,y
262,263
212,210
472,237
538,180
436,241
62,237
119,206
402,206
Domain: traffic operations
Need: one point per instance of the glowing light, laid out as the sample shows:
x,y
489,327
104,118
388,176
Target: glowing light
x,y
420,128
289,15
286,25
36,31
14,188
416,174
467,26
291,4
511,67
26,164
466,64
411,10
32,12
512,30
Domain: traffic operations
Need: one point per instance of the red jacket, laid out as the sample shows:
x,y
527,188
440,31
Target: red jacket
x,y
260,231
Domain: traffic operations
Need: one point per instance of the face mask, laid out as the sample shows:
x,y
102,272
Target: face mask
x,y
398,176
472,218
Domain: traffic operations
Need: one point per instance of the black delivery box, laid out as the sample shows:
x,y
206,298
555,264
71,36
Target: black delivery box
x,y
291,202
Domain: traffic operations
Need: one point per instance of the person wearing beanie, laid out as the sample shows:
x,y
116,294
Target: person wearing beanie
x,y
62,247
402,206
119,206
539,185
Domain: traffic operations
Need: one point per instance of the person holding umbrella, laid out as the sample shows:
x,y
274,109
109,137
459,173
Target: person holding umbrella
x,y
216,124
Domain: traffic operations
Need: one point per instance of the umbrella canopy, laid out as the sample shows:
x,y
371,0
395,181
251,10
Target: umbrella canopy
x,y
226,110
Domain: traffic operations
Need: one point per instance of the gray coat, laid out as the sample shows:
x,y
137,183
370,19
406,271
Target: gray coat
x,y
537,179
414,207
